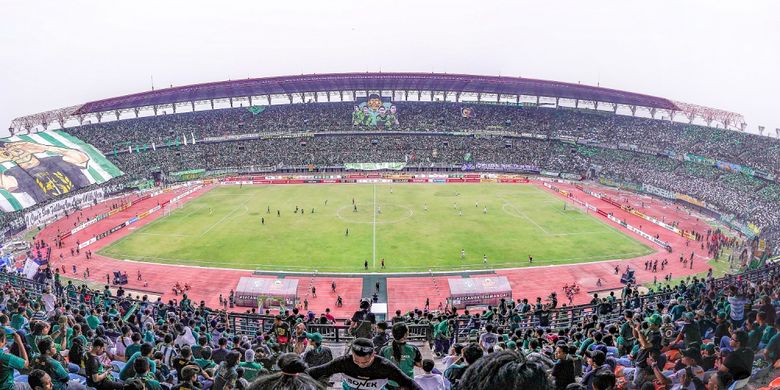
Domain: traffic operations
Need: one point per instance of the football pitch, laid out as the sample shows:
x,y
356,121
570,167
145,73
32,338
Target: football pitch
x,y
413,227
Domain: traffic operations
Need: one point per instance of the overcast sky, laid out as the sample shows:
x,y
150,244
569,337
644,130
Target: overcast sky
x,y
723,54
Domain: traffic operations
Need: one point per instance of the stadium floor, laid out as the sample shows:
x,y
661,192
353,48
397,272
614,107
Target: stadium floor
x,y
403,293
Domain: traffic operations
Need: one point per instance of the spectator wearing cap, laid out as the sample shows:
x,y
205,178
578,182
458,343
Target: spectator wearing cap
x,y
690,335
316,354
188,378
686,377
250,366
649,344
708,356
362,367
739,361
723,329
706,326
597,362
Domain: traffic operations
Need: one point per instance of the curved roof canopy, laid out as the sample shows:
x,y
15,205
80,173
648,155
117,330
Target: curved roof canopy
x,y
439,82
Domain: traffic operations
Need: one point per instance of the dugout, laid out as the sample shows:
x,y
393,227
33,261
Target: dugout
x,y
465,292
266,293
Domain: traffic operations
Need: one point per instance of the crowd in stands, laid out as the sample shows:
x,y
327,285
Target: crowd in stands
x,y
701,333
597,126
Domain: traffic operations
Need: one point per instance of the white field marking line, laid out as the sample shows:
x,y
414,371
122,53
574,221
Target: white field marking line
x,y
448,267
223,219
580,233
523,215
165,235
373,252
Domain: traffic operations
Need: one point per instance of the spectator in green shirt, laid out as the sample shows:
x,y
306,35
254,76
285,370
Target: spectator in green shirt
x,y
769,330
142,373
18,319
46,362
93,319
204,361
78,335
403,355
135,346
145,353
62,334
9,362
772,350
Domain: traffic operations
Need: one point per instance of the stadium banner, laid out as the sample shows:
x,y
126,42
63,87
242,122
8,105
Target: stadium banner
x,y
39,167
571,176
418,180
141,184
698,159
188,175
57,210
763,175
550,173
390,166
500,168
88,242
512,180
487,180
650,189
689,199
753,228
455,180
375,112
619,184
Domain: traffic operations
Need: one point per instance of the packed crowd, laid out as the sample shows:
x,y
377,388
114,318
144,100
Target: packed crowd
x,y
602,127
702,333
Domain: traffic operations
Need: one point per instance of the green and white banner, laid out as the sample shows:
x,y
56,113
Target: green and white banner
x,y
390,166
37,167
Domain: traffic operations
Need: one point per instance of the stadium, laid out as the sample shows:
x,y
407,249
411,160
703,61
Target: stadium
x,y
426,194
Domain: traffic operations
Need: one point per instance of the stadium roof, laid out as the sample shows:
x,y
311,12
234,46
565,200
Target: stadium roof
x,y
439,82
434,82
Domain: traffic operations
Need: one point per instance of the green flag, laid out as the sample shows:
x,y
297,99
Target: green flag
x,y
256,110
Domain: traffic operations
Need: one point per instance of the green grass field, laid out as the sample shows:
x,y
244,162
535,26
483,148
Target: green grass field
x,y
222,228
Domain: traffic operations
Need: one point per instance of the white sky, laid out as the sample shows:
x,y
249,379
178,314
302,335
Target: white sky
x,y
723,54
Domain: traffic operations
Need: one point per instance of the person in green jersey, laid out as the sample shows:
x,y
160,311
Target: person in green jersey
x,y
403,355
10,362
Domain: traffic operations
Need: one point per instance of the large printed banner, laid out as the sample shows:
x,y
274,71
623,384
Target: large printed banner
x,y
391,166
375,112
37,167
690,199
